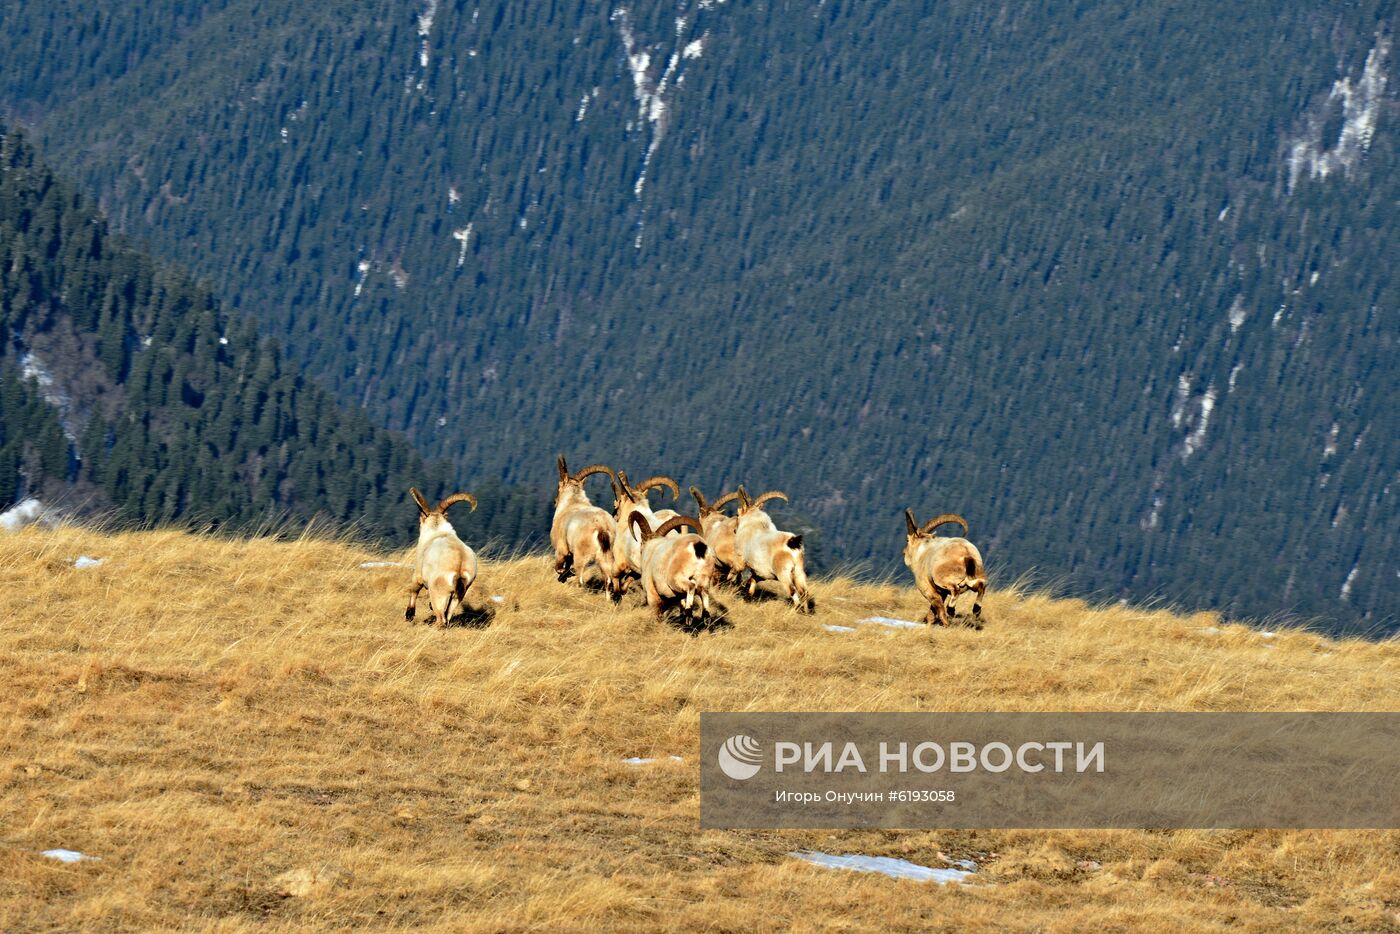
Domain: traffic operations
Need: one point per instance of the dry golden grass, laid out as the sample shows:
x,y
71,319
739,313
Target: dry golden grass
x,y
225,722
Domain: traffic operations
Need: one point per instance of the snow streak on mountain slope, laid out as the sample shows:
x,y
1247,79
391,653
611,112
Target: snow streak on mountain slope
x,y
1360,105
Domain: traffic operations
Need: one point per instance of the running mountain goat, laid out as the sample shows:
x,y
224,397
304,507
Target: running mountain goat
x,y
627,545
582,534
768,553
719,530
444,565
675,568
944,568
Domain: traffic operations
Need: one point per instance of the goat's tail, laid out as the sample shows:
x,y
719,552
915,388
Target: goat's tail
x,y
976,574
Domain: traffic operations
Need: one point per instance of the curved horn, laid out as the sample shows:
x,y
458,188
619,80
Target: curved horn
x,y
637,519
625,485
418,498
592,469
771,494
700,500
725,500
675,522
651,483
911,527
743,494
563,469
936,521
456,498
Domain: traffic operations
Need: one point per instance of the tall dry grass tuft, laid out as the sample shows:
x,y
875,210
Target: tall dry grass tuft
x,y
247,734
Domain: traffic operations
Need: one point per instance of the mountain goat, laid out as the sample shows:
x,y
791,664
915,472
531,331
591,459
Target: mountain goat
x,y
768,553
675,568
581,532
627,545
943,568
444,565
719,530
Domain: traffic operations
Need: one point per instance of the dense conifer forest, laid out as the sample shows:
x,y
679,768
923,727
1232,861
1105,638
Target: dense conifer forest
x,y
125,391
1114,279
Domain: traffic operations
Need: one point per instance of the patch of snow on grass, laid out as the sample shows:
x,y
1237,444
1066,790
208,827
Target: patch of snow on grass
x,y
83,561
829,627
385,564
884,865
891,622
68,856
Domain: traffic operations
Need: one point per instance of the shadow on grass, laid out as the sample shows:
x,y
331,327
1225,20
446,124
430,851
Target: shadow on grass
x,y
762,594
473,617
681,620
469,617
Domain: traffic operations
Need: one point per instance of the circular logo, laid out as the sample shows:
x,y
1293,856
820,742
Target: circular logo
x,y
739,757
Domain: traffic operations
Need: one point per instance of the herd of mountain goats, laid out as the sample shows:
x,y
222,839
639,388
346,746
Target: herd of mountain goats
x,y
678,570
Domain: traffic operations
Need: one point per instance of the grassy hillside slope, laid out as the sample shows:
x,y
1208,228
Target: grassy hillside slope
x,y
226,721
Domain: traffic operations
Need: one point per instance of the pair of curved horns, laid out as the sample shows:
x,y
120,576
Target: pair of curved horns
x,y
761,499
585,472
443,506
914,529
725,500
660,480
717,505
639,522
650,483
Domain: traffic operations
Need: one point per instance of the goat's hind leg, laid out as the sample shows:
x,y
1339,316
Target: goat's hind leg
x,y
981,591
412,609
938,608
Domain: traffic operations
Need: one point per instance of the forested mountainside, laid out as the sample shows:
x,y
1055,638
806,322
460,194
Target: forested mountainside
x,y
126,390
1114,279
